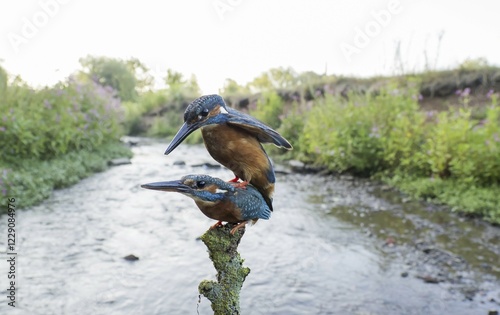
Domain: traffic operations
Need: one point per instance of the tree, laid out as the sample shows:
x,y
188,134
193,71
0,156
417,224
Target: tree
x,y
145,80
119,74
174,79
284,78
178,87
3,81
474,64
192,86
275,78
261,83
310,78
231,87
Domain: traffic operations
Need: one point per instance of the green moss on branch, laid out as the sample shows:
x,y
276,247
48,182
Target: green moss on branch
x,y
224,294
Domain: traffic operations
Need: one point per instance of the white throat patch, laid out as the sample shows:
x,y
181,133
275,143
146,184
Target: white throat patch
x,y
223,110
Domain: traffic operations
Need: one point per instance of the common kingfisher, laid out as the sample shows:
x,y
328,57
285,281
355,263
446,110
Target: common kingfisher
x,y
219,200
233,139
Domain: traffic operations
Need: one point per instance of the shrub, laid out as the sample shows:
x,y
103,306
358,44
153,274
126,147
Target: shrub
x,y
487,146
166,125
153,100
404,132
133,118
364,133
292,128
341,135
53,121
269,109
148,102
462,148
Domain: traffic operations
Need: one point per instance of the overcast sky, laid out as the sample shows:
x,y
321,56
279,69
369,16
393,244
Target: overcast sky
x,y
239,39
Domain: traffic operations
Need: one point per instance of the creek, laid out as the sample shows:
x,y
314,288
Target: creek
x,y
334,245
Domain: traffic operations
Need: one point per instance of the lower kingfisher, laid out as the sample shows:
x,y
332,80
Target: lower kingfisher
x,y
219,200
233,139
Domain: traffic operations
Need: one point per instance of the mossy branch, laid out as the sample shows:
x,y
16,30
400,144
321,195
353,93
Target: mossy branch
x,y
224,294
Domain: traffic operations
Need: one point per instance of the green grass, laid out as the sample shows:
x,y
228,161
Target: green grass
x,y
32,180
472,200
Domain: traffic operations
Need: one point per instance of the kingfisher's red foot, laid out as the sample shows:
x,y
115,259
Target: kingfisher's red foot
x,y
242,185
234,180
237,227
216,225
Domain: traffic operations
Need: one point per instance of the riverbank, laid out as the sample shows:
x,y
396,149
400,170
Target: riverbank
x,y
30,181
449,157
52,137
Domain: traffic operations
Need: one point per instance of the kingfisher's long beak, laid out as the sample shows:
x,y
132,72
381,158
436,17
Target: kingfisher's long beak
x,y
182,134
174,185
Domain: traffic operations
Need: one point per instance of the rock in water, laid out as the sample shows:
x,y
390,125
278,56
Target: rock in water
x,y
119,161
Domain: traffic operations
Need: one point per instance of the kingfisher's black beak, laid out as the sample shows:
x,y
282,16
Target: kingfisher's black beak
x,y
174,185
182,134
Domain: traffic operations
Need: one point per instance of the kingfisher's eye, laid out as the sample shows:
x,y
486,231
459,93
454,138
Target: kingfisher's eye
x,y
200,184
203,113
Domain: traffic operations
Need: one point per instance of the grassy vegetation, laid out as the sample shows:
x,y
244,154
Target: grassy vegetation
x,y
448,157
155,114
159,113
269,108
32,180
52,137
47,123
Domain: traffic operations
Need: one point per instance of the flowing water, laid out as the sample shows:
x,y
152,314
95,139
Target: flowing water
x,y
332,246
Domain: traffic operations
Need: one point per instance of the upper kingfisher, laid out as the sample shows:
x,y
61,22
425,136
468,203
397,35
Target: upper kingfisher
x,y
233,139
219,200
